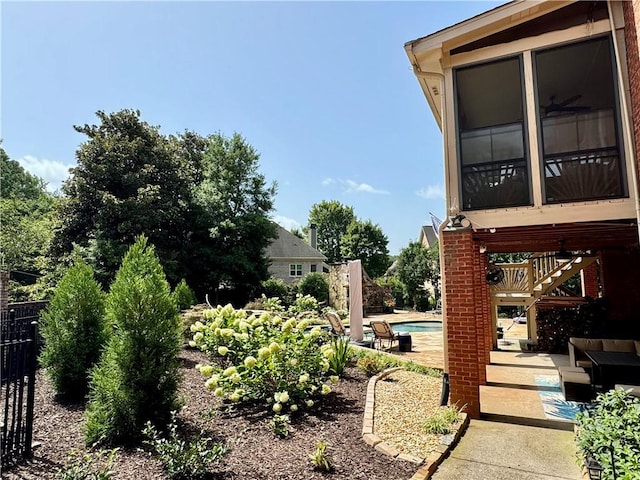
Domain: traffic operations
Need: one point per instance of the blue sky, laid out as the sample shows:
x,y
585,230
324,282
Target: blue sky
x,y
322,90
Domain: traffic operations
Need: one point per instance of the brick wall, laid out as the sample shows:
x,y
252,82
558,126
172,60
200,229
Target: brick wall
x,y
590,283
620,273
632,17
467,312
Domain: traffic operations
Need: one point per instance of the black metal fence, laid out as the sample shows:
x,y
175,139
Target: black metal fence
x,y
18,362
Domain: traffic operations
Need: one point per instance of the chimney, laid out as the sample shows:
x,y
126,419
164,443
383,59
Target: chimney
x,y
313,235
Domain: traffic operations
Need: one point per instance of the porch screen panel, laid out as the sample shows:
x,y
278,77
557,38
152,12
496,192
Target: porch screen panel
x,y
579,122
492,153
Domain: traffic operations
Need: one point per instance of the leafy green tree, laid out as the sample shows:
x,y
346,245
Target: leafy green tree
x,y
200,200
17,182
74,333
298,233
398,290
232,226
137,377
332,220
129,180
366,242
316,285
416,265
27,213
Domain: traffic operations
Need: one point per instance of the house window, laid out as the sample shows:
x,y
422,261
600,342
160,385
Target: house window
x,y
295,270
578,122
313,268
492,150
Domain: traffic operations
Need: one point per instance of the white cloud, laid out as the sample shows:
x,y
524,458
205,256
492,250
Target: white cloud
x,y
51,171
432,191
328,181
350,186
286,222
363,187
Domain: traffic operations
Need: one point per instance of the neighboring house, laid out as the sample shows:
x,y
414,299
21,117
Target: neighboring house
x,y
428,236
539,107
291,257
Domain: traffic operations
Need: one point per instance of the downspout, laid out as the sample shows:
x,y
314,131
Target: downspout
x,y
444,397
625,117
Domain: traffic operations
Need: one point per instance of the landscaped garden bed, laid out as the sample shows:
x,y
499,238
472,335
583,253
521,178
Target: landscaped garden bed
x,y
269,395
254,451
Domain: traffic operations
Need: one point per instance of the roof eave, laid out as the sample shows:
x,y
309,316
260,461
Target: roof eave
x,y
426,53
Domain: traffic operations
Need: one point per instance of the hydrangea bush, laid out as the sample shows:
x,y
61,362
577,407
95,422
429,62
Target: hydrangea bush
x,y
264,359
304,304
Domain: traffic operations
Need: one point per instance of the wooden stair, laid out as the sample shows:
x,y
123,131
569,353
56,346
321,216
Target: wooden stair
x,y
527,282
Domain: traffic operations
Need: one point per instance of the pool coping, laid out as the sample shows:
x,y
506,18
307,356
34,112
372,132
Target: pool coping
x,y
427,465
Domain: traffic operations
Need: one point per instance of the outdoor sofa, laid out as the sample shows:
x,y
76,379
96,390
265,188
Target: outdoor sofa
x,y
578,346
575,380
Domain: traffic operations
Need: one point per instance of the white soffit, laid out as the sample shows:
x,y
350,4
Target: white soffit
x,y
426,53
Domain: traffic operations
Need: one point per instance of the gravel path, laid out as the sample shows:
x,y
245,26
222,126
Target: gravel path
x,y
404,401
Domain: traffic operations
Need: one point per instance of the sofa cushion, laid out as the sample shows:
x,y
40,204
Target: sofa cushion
x,y
576,377
584,364
633,390
609,345
584,344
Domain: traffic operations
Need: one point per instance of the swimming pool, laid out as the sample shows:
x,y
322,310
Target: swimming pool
x,y
417,326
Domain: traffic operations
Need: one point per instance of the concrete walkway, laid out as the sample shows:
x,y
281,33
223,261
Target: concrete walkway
x,y
492,450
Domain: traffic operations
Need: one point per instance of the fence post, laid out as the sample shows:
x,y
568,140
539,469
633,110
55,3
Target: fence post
x,y
31,391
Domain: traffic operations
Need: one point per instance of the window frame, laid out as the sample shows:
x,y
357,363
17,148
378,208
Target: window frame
x,y
526,149
525,47
617,119
294,271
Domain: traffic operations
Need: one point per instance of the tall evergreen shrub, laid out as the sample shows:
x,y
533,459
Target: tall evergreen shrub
x,y
184,296
73,329
137,377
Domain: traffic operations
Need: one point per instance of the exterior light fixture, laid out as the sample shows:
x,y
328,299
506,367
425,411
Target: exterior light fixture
x,y
594,469
456,222
563,256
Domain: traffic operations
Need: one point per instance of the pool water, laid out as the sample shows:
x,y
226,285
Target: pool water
x,y
417,327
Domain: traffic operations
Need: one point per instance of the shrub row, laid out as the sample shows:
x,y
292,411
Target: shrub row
x,y
119,349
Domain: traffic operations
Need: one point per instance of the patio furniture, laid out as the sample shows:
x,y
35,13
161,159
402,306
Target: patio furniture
x,y
633,390
383,333
610,368
575,384
337,328
578,347
404,342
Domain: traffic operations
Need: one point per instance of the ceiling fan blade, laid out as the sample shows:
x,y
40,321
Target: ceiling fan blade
x,y
570,100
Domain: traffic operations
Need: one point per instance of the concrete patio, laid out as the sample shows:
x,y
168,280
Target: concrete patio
x,y
522,387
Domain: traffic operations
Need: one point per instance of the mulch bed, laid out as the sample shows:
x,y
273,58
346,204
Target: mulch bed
x,y
254,451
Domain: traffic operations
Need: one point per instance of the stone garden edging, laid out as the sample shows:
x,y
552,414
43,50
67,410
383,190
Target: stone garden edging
x,y
427,465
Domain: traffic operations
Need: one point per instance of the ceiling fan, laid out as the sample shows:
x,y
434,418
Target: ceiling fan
x,y
494,275
565,105
562,255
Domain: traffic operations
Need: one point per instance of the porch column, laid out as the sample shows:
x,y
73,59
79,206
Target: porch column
x,y
589,277
468,318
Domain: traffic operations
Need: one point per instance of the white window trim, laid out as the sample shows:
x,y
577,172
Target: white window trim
x,y
293,266
538,213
